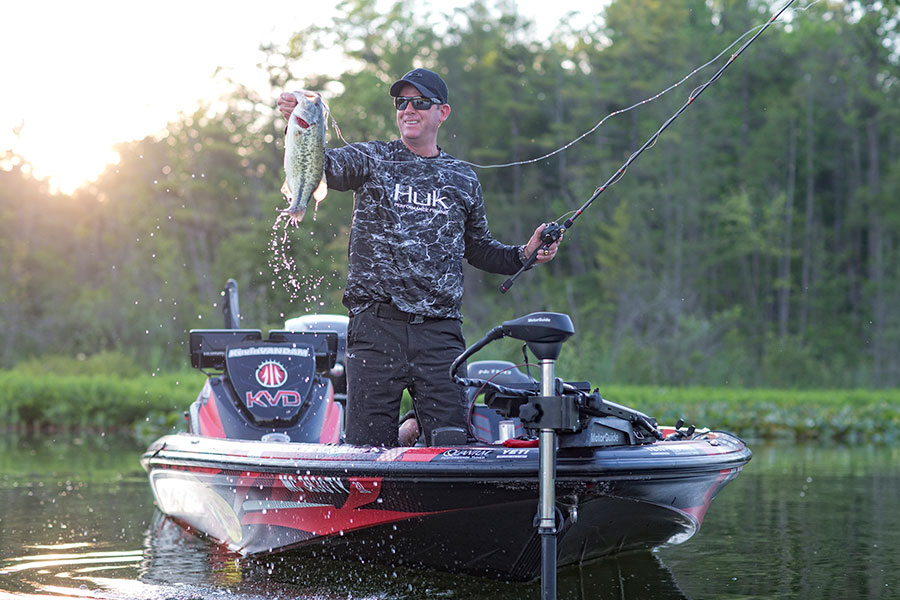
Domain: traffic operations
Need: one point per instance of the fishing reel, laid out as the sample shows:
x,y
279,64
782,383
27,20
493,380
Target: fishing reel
x,y
552,232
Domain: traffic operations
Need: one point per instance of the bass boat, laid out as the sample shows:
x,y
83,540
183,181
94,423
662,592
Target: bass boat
x,y
549,473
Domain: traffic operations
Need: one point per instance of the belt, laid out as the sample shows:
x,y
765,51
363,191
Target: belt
x,y
389,311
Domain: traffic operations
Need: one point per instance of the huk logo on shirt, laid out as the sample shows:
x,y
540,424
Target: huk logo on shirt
x,y
432,201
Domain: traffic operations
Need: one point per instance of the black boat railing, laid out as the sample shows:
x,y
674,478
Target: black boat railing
x,y
231,310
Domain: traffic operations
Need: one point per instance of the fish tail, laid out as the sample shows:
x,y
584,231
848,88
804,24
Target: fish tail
x,y
296,215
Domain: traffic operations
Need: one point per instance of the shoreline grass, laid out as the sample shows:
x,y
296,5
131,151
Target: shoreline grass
x,y
148,405
841,415
95,402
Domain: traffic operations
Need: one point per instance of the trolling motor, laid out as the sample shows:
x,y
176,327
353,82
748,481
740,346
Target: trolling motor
x,y
584,418
544,334
564,415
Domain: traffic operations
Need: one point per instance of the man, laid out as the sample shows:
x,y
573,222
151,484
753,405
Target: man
x,y
417,213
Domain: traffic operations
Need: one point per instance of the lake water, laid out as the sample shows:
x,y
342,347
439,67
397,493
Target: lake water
x,y
77,521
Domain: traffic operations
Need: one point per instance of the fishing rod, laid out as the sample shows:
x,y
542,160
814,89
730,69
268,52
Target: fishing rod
x,y
554,231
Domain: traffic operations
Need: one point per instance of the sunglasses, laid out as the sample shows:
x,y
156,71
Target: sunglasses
x,y
418,102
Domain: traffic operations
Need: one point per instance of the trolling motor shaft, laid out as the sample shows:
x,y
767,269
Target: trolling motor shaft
x,y
550,414
547,506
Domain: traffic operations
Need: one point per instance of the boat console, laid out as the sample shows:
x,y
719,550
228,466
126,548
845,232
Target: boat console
x,y
265,385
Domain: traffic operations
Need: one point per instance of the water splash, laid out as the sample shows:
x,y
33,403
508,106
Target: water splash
x,y
299,286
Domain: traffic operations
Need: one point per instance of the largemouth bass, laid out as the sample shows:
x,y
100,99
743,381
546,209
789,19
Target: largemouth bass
x,y
304,155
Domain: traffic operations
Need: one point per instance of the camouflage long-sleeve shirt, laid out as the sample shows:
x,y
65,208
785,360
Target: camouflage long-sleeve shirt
x,y
414,220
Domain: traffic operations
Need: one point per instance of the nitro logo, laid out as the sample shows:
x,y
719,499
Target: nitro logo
x,y
314,483
489,371
282,397
271,374
432,201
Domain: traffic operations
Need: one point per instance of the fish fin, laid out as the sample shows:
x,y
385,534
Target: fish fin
x,y
286,190
321,191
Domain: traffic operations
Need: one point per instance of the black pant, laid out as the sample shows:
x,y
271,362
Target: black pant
x,y
386,356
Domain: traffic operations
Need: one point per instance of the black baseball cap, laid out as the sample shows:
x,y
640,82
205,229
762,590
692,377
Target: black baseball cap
x,y
427,82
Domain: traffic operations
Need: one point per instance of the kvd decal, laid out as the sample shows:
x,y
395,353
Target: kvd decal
x,y
264,398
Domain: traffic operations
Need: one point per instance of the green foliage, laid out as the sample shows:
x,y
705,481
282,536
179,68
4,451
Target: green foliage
x,y
108,364
96,402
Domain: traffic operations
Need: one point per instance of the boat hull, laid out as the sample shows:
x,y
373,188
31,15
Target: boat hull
x,y
464,509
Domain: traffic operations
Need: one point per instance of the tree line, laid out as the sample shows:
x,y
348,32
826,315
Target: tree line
x,y
755,244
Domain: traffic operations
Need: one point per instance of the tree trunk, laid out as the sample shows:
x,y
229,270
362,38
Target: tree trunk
x,y
784,271
876,258
855,263
805,274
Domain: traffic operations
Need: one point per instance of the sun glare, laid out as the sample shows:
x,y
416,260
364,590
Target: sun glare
x,y
101,72
64,171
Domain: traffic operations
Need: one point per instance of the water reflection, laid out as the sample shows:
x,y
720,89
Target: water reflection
x,y
175,565
172,554
800,522
55,561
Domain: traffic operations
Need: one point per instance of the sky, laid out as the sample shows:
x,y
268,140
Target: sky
x,y
80,76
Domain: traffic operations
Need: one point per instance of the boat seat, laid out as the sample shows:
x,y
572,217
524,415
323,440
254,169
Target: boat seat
x,y
485,421
485,424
